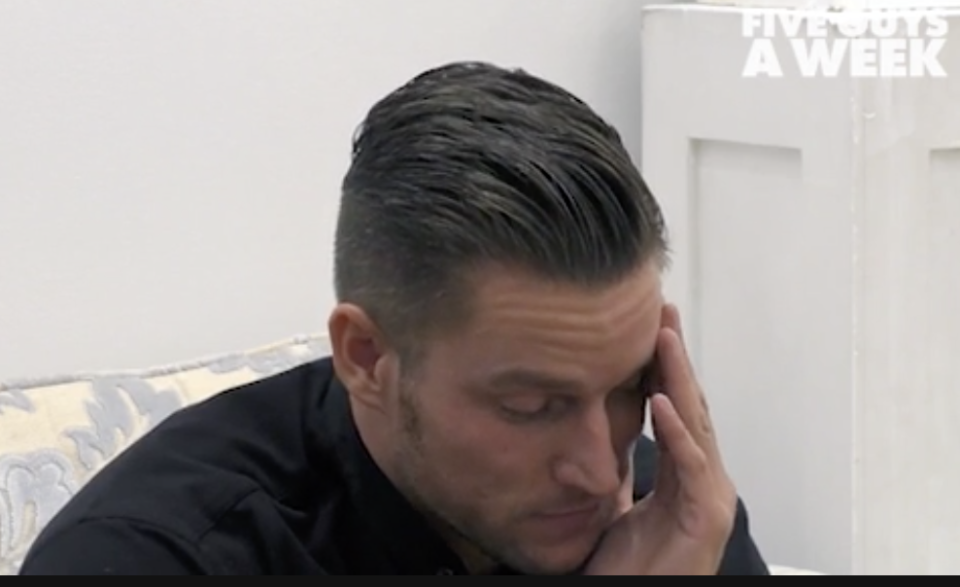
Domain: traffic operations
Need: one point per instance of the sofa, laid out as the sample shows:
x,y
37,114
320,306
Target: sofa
x,y
56,433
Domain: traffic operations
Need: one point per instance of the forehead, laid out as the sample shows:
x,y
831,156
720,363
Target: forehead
x,y
502,295
520,321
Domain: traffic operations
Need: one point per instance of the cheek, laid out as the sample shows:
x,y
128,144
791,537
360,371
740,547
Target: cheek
x,y
627,418
485,454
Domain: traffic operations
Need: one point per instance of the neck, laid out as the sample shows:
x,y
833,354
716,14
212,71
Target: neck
x,y
474,559
369,428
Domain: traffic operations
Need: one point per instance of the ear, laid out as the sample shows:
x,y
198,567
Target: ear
x,y
360,355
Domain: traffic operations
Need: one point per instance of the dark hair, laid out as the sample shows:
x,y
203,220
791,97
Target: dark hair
x,y
469,165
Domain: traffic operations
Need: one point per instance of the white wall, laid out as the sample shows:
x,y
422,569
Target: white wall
x,y
169,169
816,231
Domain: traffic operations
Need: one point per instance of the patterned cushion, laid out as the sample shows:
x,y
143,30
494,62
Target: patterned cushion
x,y
56,434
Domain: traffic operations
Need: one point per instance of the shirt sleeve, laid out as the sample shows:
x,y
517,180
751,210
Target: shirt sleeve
x,y
742,557
111,547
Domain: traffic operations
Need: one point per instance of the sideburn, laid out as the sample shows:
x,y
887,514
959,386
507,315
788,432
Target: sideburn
x,y
410,414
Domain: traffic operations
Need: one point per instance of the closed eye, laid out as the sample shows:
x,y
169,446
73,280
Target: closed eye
x,y
536,410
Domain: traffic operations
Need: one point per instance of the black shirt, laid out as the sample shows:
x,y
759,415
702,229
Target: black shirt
x,y
267,479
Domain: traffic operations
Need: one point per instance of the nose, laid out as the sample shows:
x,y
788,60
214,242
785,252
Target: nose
x,y
590,464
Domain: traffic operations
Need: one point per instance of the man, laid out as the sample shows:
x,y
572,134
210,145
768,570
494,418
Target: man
x,y
499,336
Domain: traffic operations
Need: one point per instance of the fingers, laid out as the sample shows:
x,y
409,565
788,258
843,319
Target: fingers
x,y
683,461
671,320
692,468
625,498
681,385
665,421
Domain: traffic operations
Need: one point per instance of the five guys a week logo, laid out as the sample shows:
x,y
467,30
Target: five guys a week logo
x,y
873,43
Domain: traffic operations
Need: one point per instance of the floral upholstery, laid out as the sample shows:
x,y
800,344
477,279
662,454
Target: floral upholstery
x,y
56,434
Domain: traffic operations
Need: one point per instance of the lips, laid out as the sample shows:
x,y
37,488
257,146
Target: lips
x,y
574,511
568,522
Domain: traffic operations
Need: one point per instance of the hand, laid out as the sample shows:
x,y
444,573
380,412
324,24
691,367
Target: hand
x,y
683,526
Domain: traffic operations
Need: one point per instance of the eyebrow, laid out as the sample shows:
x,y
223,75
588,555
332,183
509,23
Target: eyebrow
x,y
522,377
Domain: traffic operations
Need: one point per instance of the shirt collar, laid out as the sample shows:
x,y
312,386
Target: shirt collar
x,y
404,534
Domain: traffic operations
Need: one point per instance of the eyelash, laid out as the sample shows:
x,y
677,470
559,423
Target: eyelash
x,y
643,388
526,417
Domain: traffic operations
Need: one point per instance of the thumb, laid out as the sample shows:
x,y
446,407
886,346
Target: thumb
x,y
665,422
625,499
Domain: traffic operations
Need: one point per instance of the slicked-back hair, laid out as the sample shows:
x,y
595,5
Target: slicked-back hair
x,y
471,165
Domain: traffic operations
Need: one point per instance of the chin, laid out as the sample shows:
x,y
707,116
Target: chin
x,y
556,567
565,559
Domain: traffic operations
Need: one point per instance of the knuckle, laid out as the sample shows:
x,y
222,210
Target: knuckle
x,y
699,463
706,427
724,519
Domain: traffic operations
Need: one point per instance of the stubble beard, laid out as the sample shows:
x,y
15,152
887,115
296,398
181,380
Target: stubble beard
x,y
462,530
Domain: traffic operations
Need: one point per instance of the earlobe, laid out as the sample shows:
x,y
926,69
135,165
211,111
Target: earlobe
x,y
358,352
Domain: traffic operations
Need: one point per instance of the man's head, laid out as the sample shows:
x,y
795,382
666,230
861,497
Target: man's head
x,y
498,263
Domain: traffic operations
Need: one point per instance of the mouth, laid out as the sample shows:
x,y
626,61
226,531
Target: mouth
x,y
574,511
568,522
